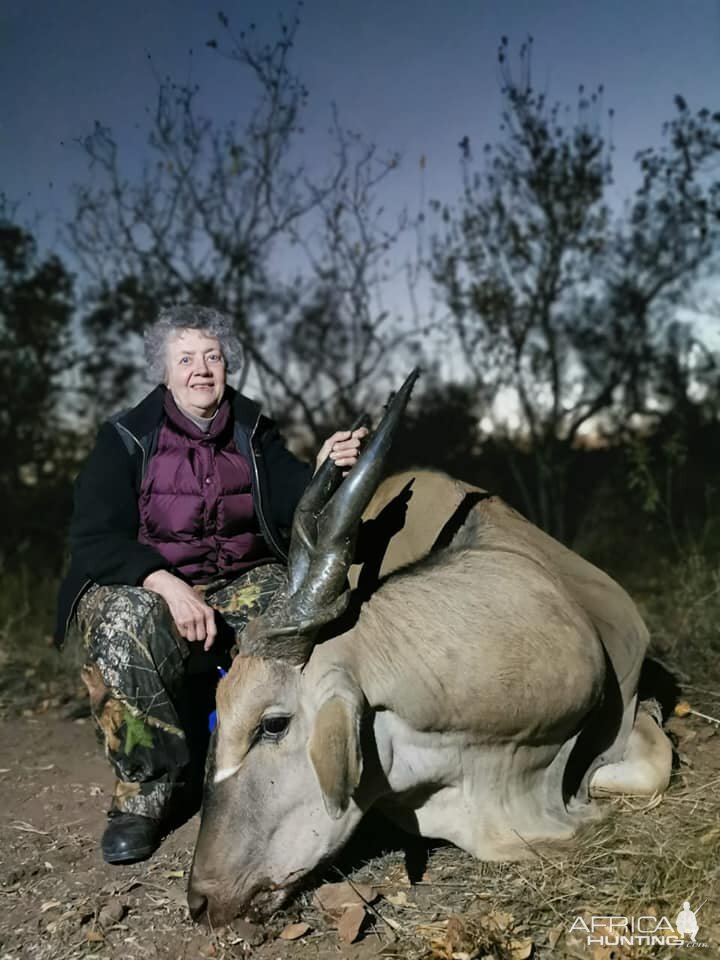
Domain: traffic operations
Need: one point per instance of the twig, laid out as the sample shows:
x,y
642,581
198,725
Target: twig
x,y
28,828
696,713
367,903
549,861
544,898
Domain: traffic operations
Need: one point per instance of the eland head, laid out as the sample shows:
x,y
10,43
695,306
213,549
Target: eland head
x,y
283,788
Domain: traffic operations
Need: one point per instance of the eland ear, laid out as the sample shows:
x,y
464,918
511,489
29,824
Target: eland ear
x,y
335,752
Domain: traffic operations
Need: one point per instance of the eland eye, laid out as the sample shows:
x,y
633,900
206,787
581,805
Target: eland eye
x,y
273,728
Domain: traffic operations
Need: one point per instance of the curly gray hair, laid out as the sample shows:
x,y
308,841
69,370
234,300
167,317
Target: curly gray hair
x,y
188,316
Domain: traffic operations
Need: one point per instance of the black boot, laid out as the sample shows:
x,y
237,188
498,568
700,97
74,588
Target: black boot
x,y
130,837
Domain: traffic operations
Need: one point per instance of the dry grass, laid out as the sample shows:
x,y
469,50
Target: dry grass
x,y
681,605
645,858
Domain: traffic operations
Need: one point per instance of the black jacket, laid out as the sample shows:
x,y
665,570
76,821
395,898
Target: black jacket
x,y
104,527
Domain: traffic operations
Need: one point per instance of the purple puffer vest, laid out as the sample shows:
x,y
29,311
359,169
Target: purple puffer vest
x,y
196,506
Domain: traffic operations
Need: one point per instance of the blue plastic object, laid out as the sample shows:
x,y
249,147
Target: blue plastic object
x,y
212,719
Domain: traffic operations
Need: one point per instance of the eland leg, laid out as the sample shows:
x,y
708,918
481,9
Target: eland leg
x,y
646,764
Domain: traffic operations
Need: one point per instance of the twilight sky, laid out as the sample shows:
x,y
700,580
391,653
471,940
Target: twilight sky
x,y
414,75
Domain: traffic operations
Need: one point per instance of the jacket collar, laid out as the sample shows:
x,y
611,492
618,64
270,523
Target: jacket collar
x,y
147,416
216,428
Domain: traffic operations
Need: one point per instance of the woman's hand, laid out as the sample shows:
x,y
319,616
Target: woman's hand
x,y
194,619
343,447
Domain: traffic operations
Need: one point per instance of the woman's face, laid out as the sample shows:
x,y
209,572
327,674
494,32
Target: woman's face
x,y
195,371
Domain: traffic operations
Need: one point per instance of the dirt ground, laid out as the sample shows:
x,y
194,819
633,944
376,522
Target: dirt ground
x,y
61,901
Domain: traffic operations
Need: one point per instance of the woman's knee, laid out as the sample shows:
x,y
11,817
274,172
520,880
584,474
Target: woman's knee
x,y
122,605
129,635
108,614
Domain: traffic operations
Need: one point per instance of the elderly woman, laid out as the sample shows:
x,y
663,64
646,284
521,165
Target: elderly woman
x,y
177,539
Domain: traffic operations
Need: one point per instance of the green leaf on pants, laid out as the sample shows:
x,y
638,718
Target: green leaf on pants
x,y
137,733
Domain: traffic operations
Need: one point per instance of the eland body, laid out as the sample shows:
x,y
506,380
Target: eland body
x,y
479,685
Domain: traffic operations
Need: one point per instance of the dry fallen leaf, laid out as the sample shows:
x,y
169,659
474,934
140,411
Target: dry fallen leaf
x,y
499,919
397,874
351,922
520,949
398,899
112,912
49,905
459,936
294,931
94,936
476,936
334,898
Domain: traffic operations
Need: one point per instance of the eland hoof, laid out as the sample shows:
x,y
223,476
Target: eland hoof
x,y
130,837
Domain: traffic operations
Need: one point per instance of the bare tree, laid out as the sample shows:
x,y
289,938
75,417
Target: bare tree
x,y
667,245
559,308
211,219
335,331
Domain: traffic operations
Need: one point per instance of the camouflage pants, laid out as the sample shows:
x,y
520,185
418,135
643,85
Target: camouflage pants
x,y
151,691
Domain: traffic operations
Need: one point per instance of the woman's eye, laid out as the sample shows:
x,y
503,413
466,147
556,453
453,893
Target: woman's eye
x,y
215,357
184,359
273,728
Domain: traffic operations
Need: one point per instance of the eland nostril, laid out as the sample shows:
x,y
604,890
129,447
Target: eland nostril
x,y
197,904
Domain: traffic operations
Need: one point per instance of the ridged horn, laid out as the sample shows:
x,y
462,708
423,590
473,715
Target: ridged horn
x,y
304,526
325,528
339,520
344,510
